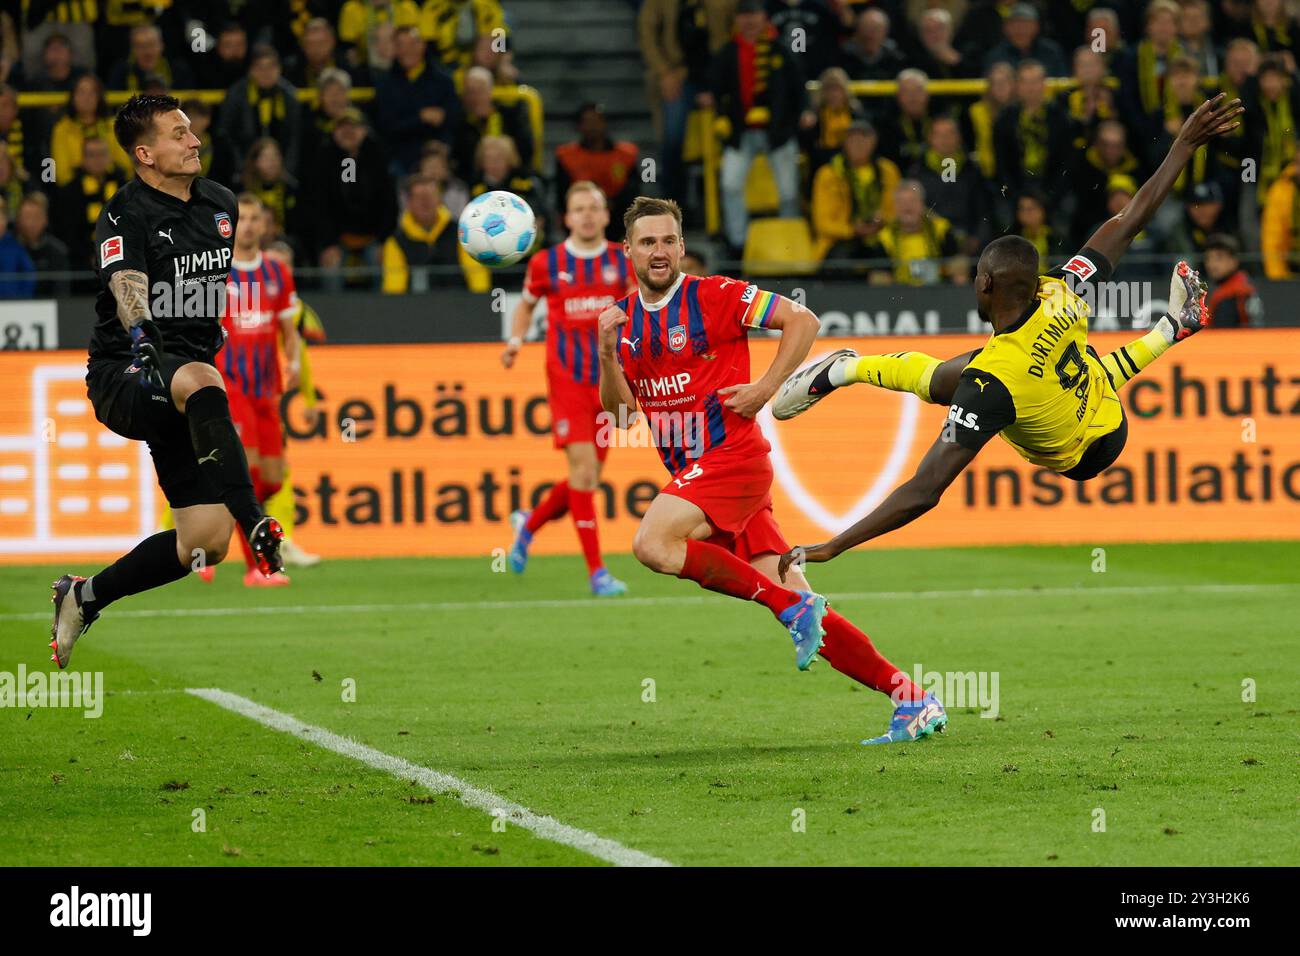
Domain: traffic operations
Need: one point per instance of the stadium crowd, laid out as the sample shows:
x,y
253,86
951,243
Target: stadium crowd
x,y
902,187
1067,105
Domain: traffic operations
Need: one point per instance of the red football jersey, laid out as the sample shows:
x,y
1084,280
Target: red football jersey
x,y
677,353
578,286
258,295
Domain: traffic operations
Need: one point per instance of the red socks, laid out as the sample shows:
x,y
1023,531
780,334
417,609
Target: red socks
x,y
717,569
851,653
553,506
847,649
583,511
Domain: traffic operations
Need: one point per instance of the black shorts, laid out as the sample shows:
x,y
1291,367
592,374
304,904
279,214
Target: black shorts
x,y
1101,454
127,405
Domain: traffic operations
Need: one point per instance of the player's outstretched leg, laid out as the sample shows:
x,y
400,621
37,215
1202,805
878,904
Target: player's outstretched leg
x,y
1186,316
525,524
928,378
667,542
917,714
156,561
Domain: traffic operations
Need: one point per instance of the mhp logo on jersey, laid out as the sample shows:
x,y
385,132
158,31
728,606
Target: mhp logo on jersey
x,y
1080,266
223,224
677,338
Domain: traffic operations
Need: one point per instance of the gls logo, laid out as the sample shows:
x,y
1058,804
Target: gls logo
x,y
964,418
132,910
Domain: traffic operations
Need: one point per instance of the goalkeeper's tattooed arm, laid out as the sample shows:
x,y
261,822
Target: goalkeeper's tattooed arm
x,y
131,289
938,469
1212,118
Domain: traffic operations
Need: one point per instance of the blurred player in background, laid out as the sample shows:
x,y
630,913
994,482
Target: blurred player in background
x,y
310,331
578,279
261,315
679,347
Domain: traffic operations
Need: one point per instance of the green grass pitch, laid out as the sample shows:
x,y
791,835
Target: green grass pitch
x,y
1120,694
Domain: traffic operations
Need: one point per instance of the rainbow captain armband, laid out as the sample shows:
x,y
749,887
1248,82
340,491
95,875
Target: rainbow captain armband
x,y
760,307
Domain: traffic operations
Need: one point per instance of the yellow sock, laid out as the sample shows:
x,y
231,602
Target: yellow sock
x,y
1127,360
899,372
280,506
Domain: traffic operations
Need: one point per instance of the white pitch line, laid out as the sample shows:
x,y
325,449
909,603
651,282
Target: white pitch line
x,y
666,600
548,828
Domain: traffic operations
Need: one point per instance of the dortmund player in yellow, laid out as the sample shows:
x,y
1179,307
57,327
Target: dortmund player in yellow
x,y
1036,381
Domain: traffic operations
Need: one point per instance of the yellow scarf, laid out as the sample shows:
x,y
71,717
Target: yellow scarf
x,y
1149,83
981,121
864,186
1033,139
270,105
1279,141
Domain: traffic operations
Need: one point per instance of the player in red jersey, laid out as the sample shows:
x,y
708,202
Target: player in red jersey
x,y
679,347
261,309
578,278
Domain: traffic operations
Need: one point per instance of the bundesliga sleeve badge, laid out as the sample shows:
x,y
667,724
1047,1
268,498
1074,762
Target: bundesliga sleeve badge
x,y
1080,266
110,250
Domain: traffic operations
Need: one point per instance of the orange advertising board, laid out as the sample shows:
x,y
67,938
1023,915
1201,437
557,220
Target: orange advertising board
x,y
426,449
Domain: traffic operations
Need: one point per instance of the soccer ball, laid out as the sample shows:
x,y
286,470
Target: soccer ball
x,y
497,228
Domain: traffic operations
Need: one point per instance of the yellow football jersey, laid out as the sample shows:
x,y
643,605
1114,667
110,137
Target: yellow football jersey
x,y
1036,384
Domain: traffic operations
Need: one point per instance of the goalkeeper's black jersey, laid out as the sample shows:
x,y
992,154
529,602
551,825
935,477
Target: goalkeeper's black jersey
x,y
185,250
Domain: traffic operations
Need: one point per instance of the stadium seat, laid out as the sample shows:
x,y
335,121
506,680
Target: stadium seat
x,y
760,188
779,247
699,124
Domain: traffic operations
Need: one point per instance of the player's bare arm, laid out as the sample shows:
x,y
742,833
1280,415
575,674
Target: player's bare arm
x,y
615,393
1212,118
131,289
520,319
798,332
938,469
291,342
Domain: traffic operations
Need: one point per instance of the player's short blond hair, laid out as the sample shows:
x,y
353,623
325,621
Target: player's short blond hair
x,y
584,186
250,199
644,206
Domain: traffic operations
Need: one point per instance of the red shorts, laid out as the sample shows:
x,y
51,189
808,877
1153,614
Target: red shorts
x,y
735,494
257,422
574,407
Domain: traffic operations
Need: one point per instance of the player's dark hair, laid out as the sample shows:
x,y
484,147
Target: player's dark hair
x,y
1012,261
643,206
134,122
